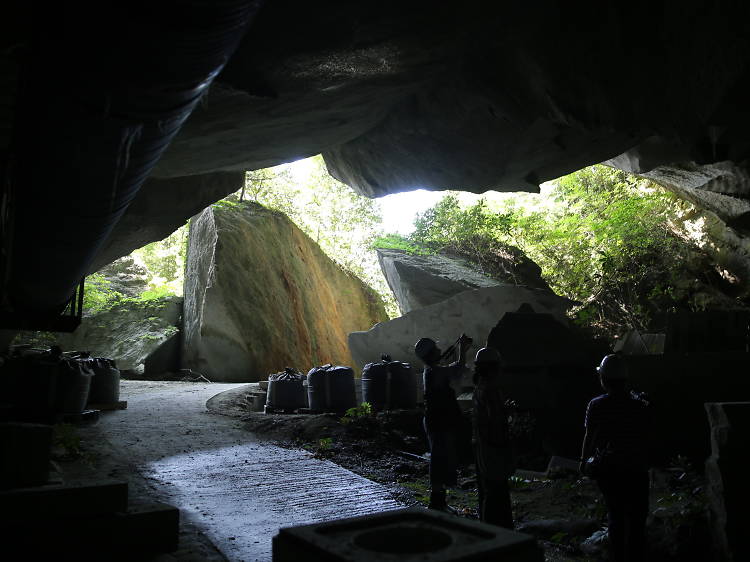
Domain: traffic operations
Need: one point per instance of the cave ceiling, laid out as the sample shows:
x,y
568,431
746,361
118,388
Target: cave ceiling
x,y
405,95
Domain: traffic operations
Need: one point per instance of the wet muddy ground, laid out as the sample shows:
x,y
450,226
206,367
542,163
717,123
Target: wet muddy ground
x,y
563,509
166,420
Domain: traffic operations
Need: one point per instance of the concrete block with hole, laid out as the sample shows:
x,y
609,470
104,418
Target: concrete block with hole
x,y
403,535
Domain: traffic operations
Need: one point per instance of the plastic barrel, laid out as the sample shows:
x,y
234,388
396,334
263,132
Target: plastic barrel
x,y
374,379
403,386
331,388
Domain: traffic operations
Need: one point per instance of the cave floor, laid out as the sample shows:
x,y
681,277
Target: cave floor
x,y
561,509
233,490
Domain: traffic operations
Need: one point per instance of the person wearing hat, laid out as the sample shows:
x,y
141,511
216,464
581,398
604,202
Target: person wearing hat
x,y
615,453
442,418
491,440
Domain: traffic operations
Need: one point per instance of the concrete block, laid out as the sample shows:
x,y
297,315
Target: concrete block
x,y
63,500
256,401
24,454
129,535
150,527
403,535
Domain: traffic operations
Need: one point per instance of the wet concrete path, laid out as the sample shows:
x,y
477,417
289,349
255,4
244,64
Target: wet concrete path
x,y
235,489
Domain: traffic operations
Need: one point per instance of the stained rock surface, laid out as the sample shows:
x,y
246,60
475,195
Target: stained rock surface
x,y
261,295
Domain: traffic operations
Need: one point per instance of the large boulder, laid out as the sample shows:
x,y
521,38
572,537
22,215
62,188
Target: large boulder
x,y
261,295
474,312
129,332
548,370
421,280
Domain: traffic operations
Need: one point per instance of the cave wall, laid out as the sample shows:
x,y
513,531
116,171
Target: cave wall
x,y
260,295
400,96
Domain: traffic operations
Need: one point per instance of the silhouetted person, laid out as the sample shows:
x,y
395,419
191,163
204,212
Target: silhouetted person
x,y
491,440
442,415
616,437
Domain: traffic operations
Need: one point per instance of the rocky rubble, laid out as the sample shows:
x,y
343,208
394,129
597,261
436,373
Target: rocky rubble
x,y
138,335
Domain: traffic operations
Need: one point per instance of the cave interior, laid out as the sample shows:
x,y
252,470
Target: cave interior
x,y
116,128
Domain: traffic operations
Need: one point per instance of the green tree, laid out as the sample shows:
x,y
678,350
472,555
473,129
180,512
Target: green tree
x,y
601,237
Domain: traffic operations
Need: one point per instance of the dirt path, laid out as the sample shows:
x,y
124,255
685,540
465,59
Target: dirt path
x,y
233,488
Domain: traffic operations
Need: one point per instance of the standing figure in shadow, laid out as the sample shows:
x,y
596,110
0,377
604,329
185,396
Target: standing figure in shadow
x,y
615,454
492,450
442,417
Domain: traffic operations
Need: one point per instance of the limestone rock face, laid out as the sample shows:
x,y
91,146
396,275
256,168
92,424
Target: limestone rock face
x,y
422,280
714,211
126,277
260,295
419,281
396,95
128,332
474,312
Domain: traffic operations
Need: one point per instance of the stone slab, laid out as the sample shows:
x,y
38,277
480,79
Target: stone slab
x,y
127,535
150,527
64,500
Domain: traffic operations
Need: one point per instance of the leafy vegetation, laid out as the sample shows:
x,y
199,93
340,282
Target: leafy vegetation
x,y
601,237
343,223
400,242
99,296
364,410
164,262
162,265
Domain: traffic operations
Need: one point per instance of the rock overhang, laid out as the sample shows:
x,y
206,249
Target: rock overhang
x,y
400,96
